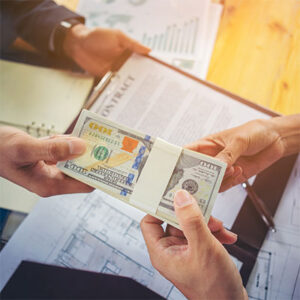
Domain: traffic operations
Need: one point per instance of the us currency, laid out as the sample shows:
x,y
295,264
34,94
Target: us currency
x,y
117,156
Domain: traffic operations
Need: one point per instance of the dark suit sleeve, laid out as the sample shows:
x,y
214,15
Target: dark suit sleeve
x,y
34,20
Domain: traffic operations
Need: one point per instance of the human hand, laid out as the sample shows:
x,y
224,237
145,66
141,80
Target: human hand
x,y
251,147
193,260
30,162
96,49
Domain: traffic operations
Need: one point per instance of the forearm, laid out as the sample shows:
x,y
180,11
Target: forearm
x,y
218,292
288,128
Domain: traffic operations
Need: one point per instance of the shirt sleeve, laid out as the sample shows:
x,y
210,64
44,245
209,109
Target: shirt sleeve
x,y
35,20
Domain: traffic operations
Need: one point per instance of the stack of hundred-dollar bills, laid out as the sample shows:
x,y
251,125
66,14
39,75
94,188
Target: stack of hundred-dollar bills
x,y
141,170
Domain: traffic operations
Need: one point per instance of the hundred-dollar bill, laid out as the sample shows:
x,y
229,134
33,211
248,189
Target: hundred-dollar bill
x,y
142,170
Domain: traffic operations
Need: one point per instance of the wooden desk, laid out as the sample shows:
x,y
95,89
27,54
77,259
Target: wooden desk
x,y
257,52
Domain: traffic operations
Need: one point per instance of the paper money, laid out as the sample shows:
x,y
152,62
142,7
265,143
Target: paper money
x,y
142,170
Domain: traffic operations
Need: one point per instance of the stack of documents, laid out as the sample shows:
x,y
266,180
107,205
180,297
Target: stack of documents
x,y
182,33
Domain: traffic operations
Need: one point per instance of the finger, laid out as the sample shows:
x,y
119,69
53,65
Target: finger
x,y
152,232
56,137
254,164
214,224
133,45
96,68
46,181
173,231
236,178
56,149
67,185
190,219
229,172
205,146
225,236
209,147
28,150
139,48
94,64
231,152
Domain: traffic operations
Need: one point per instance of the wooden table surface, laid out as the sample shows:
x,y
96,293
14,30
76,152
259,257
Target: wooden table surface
x,y
257,52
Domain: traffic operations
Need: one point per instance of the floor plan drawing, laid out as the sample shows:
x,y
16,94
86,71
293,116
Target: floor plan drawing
x,y
259,281
106,238
89,247
277,277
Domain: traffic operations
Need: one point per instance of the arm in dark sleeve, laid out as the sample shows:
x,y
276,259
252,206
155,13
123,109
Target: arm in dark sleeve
x,y
34,20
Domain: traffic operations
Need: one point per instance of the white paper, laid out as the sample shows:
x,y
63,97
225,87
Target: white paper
x,y
276,274
211,31
160,102
181,33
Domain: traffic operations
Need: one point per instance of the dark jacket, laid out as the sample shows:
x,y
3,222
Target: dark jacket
x,y
32,20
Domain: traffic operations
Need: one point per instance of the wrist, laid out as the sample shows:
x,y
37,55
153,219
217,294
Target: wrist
x,y
73,40
239,295
193,293
288,130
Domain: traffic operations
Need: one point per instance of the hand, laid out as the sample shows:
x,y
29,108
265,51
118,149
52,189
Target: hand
x,y
30,162
194,261
252,147
96,49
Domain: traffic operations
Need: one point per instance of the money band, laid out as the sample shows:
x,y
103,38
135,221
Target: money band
x,y
155,176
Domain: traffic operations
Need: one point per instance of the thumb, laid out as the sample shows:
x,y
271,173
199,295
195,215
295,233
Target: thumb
x,y
55,149
231,152
190,219
133,45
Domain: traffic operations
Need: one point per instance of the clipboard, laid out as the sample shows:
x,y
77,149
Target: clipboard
x,y
105,80
248,224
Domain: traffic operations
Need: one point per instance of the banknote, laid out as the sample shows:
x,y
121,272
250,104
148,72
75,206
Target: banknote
x,y
141,170
200,175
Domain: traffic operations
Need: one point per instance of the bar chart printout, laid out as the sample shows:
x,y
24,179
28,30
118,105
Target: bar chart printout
x,y
181,33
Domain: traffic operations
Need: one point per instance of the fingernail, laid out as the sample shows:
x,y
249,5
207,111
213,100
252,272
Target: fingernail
x,y
183,198
232,234
76,146
236,173
229,171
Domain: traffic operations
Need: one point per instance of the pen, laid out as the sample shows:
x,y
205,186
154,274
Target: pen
x,y
100,87
260,206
